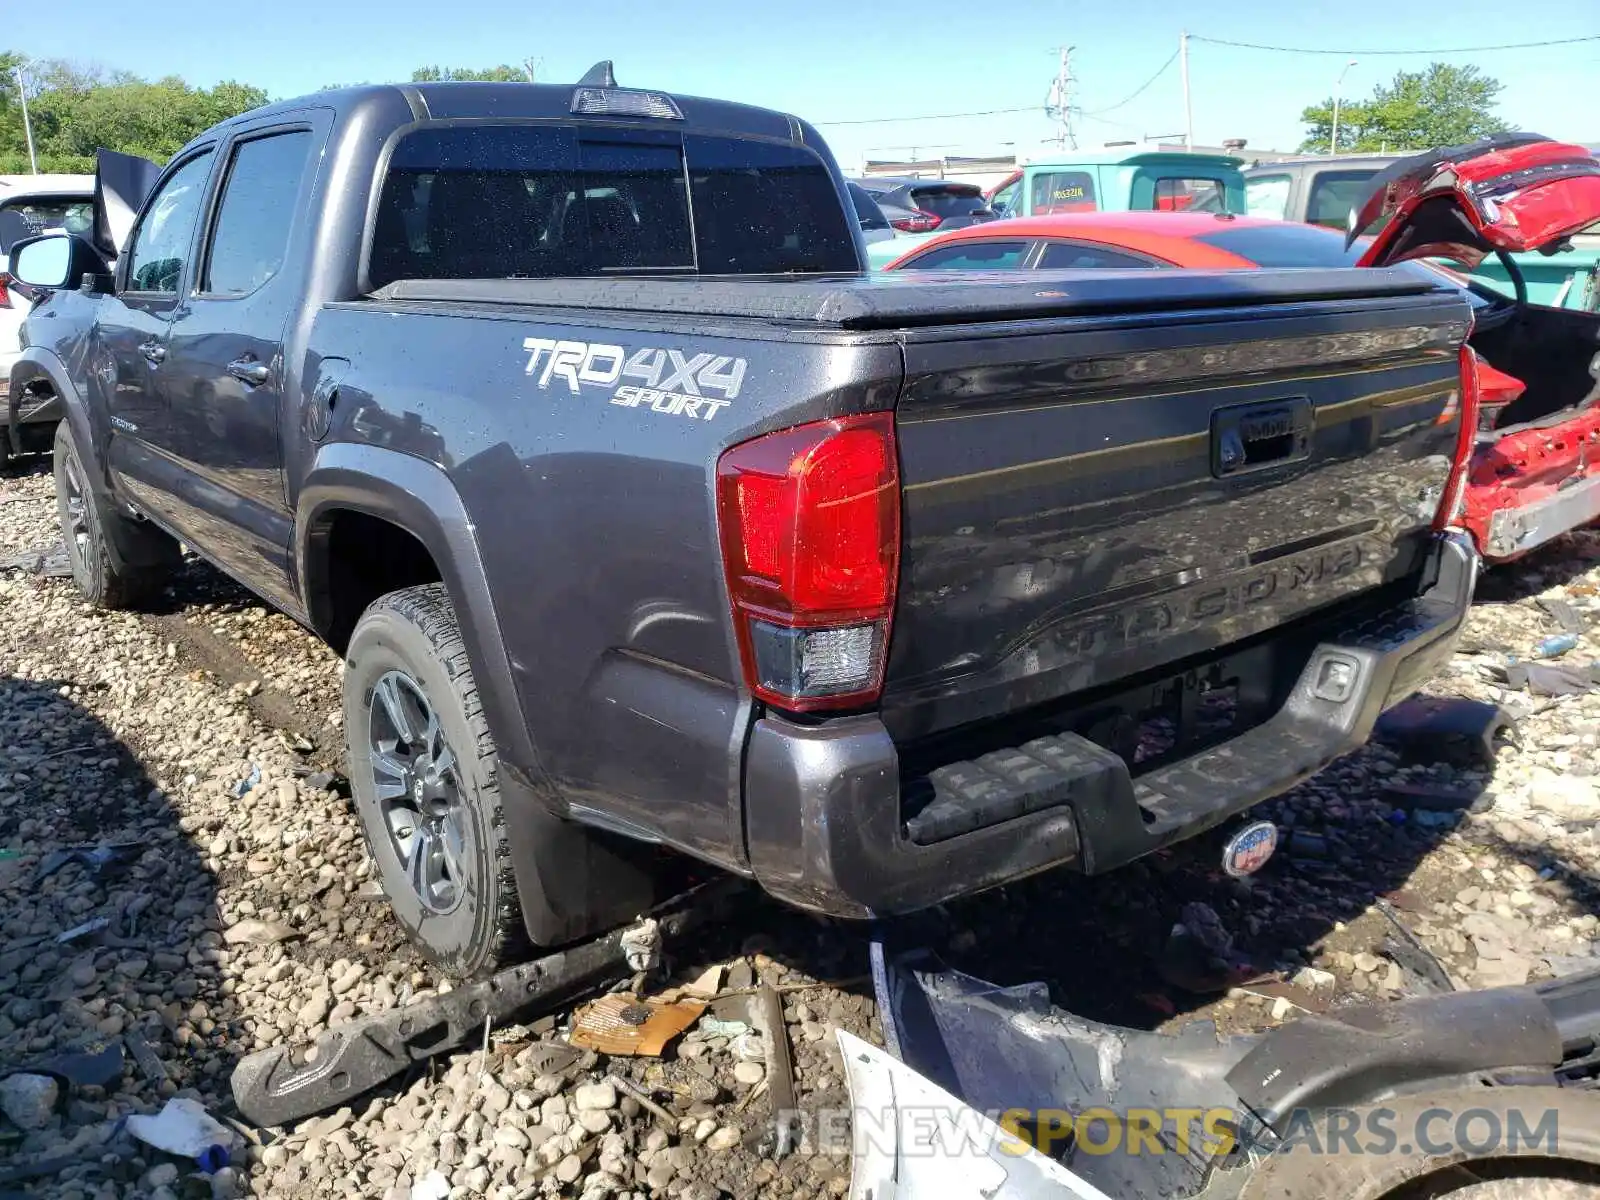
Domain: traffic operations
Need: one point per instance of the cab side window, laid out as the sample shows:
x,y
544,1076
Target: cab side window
x,y
257,210
166,231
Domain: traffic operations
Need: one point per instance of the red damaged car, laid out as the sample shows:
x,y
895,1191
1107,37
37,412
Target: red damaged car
x,y
1536,470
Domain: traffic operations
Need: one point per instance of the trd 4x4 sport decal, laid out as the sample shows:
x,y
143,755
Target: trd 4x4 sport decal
x,y
673,383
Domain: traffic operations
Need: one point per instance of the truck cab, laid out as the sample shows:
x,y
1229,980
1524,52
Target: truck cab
x,y
1116,180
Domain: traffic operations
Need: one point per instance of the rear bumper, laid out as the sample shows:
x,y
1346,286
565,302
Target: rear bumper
x,y
823,807
1529,487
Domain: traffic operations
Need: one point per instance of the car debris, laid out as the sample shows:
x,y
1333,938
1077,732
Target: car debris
x,y
625,1026
281,1084
783,1099
49,563
1550,679
999,1049
1406,949
184,1128
149,1062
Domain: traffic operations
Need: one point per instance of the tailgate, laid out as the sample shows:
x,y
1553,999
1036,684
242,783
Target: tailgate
x,y
1088,499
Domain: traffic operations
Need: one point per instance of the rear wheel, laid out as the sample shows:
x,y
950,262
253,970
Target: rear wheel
x,y
425,776
125,575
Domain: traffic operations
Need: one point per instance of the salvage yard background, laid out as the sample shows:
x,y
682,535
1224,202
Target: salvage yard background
x,y
223,902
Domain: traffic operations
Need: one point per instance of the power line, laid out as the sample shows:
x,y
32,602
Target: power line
x,y
1452,50
992,112
1138,91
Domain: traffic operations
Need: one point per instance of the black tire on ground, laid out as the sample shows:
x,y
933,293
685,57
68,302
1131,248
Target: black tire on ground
x,y
117,562
1529,1171
426,784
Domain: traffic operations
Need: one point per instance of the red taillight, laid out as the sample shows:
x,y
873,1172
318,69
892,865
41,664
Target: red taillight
x,y
5,282
1466,412
810,524
917,223
1496,389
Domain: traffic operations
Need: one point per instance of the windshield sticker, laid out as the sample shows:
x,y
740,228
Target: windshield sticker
x,y
669,382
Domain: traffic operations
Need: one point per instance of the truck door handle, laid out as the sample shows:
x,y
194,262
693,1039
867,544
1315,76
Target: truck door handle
x,y
154,352
249,371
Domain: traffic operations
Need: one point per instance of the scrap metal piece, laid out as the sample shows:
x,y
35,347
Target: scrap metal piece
x,y
276,1086
624,1026
784,1101
149,1061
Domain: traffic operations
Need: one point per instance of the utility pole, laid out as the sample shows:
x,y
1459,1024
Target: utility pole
x,y
1333,141
27,125
1188,106
1059,102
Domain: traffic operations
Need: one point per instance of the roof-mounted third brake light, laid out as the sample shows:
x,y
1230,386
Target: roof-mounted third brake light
x,y
597,93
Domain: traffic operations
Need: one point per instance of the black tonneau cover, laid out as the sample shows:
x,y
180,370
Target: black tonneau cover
x,y
906,298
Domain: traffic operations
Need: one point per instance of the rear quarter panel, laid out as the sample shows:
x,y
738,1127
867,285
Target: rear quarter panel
x,y
596,522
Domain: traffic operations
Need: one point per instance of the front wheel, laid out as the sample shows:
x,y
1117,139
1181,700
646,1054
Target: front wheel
x,y
424,775
126,575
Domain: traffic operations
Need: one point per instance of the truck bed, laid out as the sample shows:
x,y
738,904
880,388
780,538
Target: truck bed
x,y
910,299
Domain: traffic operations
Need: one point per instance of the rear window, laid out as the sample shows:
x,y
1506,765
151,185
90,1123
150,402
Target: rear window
x,y
1062,192
948,201
519,201
1334,193
1174,194
42,214
1286,245
1267,196
970,256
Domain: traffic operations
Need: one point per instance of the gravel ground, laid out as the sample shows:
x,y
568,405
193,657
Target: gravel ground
x,y
239,912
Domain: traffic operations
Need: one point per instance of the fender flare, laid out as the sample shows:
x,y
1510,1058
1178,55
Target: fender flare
x,y
571,882
36,363
418,497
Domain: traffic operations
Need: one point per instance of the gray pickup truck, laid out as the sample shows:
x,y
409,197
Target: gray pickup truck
x,y
647,520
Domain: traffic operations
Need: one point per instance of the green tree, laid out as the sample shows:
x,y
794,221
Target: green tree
x,y
501,74
76,110
1440,106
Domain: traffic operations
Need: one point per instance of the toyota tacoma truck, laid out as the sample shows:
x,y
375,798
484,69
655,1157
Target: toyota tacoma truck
x,y
651,524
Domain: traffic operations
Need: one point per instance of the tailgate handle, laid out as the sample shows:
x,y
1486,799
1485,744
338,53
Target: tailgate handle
x,y
1250,437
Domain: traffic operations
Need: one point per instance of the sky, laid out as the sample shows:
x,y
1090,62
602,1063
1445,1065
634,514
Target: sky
x,y
858,69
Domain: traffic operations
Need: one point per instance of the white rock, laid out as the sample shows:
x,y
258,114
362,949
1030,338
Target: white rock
x,y
594,1097
725,1138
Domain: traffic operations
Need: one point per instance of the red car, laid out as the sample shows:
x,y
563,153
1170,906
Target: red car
x,y
1536,470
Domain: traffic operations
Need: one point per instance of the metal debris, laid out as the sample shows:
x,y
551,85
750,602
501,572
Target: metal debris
x,y
784,1102
282,1083
149,1062
629,1088
623,1025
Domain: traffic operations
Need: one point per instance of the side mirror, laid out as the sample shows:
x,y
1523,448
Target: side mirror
x,y
55,260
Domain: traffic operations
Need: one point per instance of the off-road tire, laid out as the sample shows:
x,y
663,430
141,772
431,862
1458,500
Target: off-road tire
x,y
414,631
1572,1172
106,578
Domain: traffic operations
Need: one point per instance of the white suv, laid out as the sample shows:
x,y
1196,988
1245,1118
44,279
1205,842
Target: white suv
x,y
31,204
